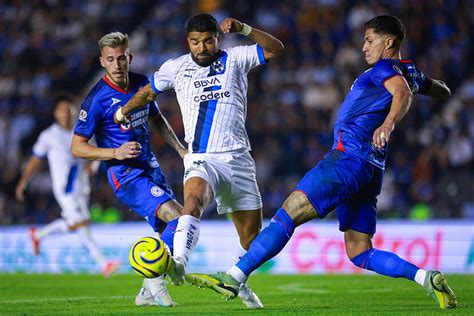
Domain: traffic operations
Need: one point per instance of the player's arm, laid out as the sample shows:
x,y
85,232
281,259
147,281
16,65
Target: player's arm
x,y
139,100
272,46
437,88
161,124
401,101
32,166
80,148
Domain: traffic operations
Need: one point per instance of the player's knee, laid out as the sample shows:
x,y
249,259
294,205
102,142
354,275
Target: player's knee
x,y
299,208
194,205
355,248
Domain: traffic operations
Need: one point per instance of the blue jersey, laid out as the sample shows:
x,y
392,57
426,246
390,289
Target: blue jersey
x,y
366,106
97,117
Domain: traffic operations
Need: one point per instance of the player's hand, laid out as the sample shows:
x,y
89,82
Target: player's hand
x,y
382,135
128,150
20,192
119,118
231,25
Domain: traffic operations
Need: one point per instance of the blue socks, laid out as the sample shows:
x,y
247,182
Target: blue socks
x,y
168,234
385,263
268,243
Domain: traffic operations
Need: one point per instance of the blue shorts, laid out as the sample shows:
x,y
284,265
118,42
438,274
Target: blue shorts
x,y
348,184
145,194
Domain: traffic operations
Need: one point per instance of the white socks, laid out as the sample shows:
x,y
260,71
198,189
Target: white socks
x,y
186,237
238,252
56,226
420,277
235,272
89,243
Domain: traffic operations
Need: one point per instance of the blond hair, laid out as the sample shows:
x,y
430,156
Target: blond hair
x,y
113,40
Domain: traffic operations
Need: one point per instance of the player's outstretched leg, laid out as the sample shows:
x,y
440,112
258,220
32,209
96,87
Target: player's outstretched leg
x,y
220,282
437,286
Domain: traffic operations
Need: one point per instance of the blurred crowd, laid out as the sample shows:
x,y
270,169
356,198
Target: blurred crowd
x,y
49,46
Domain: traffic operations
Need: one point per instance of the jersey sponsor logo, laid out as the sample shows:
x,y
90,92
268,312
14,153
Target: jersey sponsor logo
x,y
126,125
156,191
115,101
203,83
211,95
82,115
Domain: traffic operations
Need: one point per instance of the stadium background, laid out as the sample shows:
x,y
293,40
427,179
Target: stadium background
x,y
48,46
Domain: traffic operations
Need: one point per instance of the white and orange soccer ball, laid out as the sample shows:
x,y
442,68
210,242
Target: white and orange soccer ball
x,y
150,257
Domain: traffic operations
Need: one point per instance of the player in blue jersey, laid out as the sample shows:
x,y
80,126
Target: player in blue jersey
x,y
349,177
133,171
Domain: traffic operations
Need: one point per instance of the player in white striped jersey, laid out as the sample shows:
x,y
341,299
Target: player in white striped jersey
x,y
211,88
70,183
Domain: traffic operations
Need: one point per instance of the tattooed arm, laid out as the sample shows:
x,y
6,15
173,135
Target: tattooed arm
x,y
139,100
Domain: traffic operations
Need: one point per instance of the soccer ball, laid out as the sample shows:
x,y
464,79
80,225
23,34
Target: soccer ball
x,y
150,257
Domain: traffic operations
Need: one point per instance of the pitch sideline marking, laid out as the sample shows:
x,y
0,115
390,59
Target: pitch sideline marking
x,y
80,298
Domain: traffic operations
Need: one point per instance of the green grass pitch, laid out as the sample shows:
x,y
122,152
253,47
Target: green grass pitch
x,y
22,294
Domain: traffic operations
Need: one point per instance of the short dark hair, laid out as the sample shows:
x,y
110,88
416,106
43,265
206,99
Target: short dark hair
x,y
387,24
202,23
58,98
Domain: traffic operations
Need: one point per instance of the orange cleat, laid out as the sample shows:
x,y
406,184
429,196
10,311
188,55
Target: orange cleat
x,y
110,267
34,240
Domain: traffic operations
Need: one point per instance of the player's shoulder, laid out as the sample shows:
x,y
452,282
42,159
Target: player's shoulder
x,y
96,94
49,131
388,65
137,79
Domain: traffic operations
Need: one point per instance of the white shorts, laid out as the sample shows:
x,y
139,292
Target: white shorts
x,y
74,208
231,177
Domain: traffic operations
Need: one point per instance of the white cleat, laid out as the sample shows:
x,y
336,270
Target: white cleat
x,y
154,292
176,272
144,297
248,297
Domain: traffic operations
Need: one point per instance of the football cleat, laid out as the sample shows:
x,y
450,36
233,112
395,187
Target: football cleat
x,y
248,297
34,240
110,267
144,297
220,282
159,292
176,272
437,286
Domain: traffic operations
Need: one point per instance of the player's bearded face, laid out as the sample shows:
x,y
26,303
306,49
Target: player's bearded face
x,y
116,61
374,46
204,47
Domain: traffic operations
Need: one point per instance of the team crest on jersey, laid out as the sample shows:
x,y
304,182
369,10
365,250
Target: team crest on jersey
x,y
156,191
82,115
218,66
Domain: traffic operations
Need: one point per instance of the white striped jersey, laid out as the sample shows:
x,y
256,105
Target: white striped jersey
x,y
68,173
212,99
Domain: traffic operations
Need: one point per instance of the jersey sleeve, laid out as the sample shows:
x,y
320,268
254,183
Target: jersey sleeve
x,y
89,117
248,57
163,79
41,147
384,70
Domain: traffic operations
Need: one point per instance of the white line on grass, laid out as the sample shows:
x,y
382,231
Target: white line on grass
x,y
79,298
